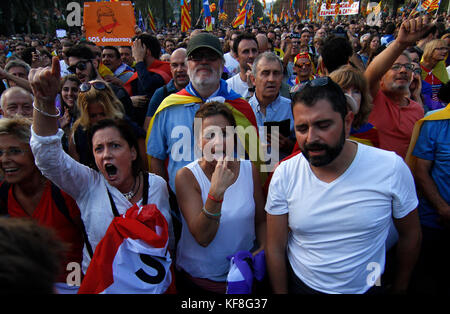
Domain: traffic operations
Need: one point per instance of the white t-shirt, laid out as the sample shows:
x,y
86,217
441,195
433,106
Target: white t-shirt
x,y
339,229
236,230
238,85
89,189
231,64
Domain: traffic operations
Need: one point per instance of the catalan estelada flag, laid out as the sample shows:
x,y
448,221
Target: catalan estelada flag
x,y
185,15
242,112
434,5
240,18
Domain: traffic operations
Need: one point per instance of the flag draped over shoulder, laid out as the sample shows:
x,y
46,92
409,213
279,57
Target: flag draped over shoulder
x,y
185,15
443,114
242,112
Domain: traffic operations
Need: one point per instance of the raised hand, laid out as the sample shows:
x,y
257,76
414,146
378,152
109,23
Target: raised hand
x,y
412,30
222,178
138,50
44,83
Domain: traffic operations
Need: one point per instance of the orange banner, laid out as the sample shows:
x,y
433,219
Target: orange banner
x,y
109,23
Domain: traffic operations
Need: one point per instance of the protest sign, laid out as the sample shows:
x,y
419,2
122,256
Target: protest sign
x,y
109,23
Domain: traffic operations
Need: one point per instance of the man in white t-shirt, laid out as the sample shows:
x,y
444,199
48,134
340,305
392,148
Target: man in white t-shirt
x,y
230,62
245,48
330,206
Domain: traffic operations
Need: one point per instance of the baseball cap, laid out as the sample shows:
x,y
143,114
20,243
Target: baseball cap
x,y
204,40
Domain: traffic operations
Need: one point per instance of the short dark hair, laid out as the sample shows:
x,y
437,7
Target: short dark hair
x,y
336,52
127,133
31,256
214,108
27,55
116,51
152,43
80,51
332,92
247,36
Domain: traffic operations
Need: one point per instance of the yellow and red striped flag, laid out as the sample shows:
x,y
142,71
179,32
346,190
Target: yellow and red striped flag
x,y
431,5
185,15
240,18
151,20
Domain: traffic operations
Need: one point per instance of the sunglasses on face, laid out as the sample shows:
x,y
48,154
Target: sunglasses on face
x,y
199,56
80,65
97,85
307,64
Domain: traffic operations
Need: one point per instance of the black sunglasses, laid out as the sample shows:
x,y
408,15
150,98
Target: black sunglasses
x,y
199,56
80,65
320,81
97,85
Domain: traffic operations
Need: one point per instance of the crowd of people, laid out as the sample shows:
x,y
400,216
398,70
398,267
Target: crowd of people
x,y
323,148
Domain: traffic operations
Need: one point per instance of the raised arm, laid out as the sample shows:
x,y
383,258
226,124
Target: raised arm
x,y
19,81
45,82
410,31
203,219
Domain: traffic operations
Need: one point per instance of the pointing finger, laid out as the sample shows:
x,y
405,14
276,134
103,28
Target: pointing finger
x,y
56,67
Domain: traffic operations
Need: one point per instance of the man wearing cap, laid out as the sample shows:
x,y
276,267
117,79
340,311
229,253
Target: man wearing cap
x,y
170,133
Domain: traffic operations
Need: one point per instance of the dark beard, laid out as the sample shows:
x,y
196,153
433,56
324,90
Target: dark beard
x,y
330,152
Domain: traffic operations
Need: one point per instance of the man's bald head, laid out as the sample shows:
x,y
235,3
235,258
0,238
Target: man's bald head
x,y
180,52
263,43
178,67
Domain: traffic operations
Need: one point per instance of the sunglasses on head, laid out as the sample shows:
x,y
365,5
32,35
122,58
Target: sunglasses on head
x,y
97,85
80,65
320,81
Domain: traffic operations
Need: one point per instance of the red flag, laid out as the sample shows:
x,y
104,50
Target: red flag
x,y
133,256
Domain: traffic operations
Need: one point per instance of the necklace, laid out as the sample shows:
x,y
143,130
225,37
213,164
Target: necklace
x,y
132,193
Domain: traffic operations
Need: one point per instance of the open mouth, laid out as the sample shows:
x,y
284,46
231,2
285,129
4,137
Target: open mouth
x,y
111,170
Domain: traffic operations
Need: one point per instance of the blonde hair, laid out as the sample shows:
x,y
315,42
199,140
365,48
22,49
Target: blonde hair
x,y
18,127
346,77
106,98
429,48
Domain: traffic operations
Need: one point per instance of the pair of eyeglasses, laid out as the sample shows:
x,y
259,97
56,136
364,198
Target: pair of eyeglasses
x,y
98,85
13,151
417,71
199,56
80,65
398,66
